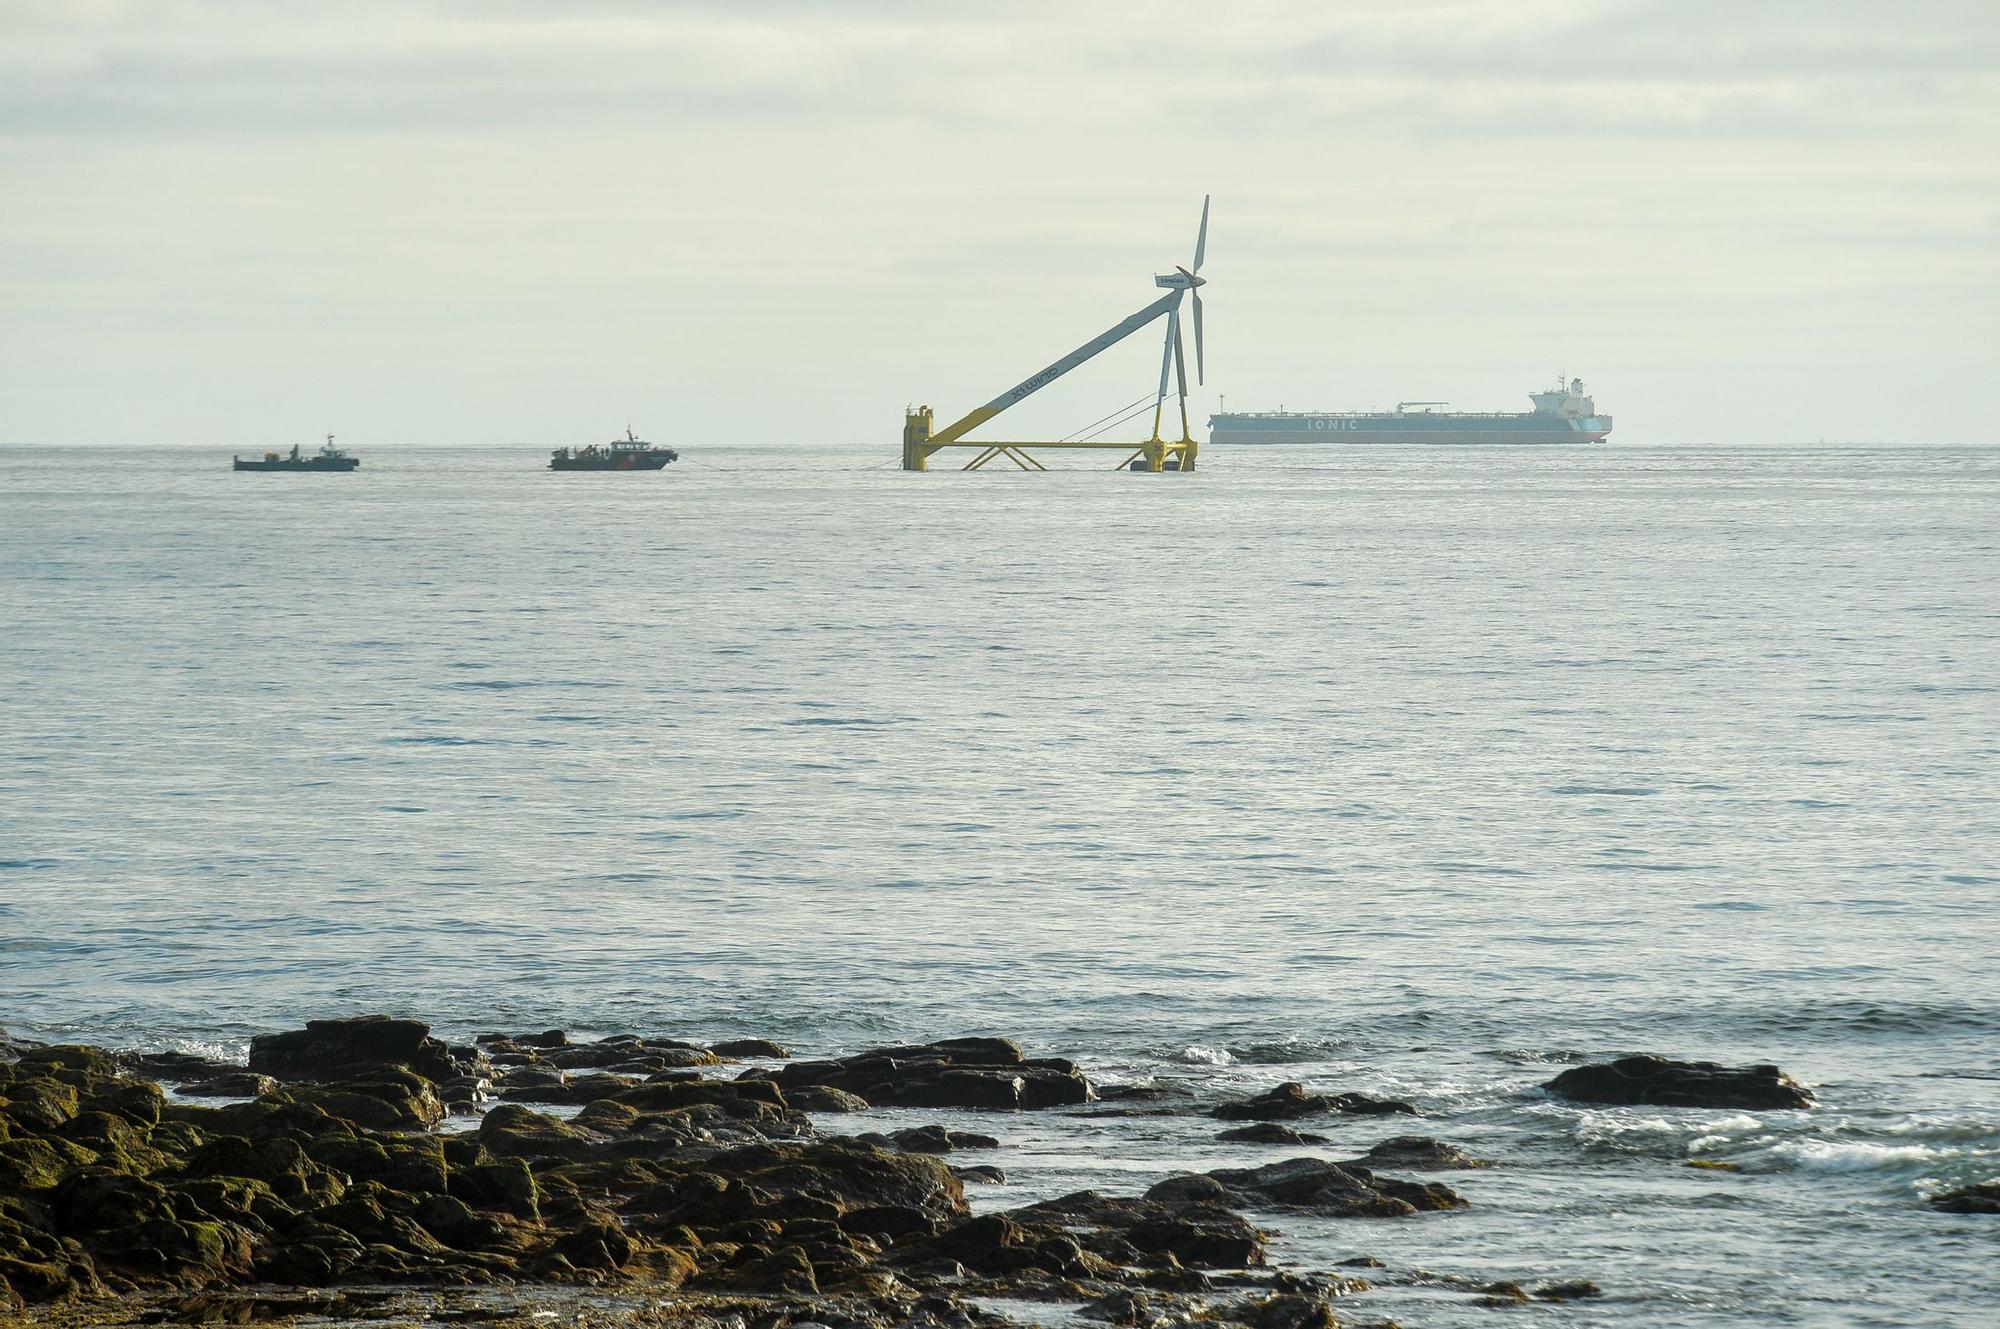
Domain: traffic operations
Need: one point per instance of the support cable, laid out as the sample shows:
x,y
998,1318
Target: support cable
x,y
1147,405
1069,438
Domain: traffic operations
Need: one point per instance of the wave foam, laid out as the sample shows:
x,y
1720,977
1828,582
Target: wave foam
x,y
1855,1156
1196,1055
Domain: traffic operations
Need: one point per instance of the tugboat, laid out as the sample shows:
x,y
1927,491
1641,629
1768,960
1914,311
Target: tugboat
x,y
328,458
620,454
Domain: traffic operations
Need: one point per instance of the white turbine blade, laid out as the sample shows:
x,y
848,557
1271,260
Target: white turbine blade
x,y
1201,238
1200,373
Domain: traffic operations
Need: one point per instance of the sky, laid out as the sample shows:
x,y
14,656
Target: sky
x,y
247,224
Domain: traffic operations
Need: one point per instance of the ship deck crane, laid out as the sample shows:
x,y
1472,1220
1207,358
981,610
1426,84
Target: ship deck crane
x,y
1157,453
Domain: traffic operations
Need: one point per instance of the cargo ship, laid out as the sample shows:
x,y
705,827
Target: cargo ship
x,y
328,458
1563,414
620,454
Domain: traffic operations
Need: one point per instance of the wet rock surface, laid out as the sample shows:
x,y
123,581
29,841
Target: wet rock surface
x,y
1649,1081
1314,1185
323,1182
1420,1153
359,1048
930,1140
1270,1132
979,1073
1290,1101
1979,1198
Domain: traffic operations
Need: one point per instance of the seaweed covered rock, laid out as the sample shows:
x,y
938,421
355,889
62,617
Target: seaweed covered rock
x,y
309,1185
988,1073
387,1100
676,1181
1649,1081
230,1084
361,1047
830,1179
1163,1234
510,1131
622,1054
1310,1184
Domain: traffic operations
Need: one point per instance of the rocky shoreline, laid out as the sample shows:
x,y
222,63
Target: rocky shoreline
x,y
364,1170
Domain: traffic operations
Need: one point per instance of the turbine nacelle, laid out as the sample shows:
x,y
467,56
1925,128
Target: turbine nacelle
x,y
1180,279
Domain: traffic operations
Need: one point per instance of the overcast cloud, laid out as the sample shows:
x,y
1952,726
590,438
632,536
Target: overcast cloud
x,y
251,223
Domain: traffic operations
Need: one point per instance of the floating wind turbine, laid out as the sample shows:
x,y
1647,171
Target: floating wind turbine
x,y
1183,281
919,441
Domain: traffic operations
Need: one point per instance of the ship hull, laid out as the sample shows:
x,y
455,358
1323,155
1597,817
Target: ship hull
x,y
309,464
1416,428
649,462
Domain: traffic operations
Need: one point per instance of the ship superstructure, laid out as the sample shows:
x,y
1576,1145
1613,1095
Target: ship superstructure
x,y
1562,414
629,453
328,458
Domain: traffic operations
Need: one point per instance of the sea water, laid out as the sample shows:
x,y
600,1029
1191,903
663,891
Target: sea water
x,y
1419,772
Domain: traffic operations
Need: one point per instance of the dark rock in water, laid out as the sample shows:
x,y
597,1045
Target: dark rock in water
x,y
719,1186
631,1056
1287,1101
464,1093
749,1047
1145,1093
990,1073
1649,1081
550,1038
1363,1105
1575,1290
930,1140
1290,1101
99,1186
1270,1132
546,1084
345,1049
1980,1198
586,1089
658,1095
1420,1152
1310,1184
1161,1236
958,1089
824,1098
533,1084
231,1084
1199,1238
175,1067
984,1174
